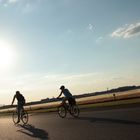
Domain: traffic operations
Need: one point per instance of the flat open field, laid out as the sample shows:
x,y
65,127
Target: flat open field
x,y
131,96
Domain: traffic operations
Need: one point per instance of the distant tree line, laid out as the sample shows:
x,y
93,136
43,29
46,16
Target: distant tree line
x,y
119,89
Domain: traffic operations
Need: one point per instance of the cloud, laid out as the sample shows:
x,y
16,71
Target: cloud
x,y
12,1
90,27
127,31
71,76
99,39
7,3
25,6
28,7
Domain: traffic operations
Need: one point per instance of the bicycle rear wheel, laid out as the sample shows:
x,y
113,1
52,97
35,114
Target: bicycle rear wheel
x,y
15,117
62,112
74,111
24,117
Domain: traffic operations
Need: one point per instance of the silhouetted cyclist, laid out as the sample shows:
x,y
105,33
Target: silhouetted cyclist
x,y
20,103
68,96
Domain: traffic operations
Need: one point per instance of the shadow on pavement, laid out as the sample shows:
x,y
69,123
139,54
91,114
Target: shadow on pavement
x,y
34,132
108,120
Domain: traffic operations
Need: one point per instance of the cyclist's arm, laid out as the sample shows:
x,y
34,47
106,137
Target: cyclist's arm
x,y
60,94
13,100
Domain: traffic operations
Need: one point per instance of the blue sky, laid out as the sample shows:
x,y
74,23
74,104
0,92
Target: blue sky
x,y
87,45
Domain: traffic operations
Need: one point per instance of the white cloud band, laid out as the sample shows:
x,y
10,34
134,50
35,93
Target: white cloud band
x,y
127,31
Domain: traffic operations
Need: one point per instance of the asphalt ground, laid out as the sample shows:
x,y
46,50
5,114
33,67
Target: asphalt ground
x,y
111,123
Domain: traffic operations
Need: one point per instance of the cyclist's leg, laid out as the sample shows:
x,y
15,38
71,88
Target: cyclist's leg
x,y
22,109
18,111
71,101
64,101
74,101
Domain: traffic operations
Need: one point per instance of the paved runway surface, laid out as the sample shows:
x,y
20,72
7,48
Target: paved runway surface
x,y
107,124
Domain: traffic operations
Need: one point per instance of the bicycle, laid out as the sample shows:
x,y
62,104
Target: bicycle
x,y
72,108
23,116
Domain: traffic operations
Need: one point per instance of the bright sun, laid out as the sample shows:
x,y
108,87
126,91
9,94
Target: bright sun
x,y
7,55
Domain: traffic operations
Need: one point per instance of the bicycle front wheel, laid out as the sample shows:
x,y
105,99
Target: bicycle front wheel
x,y
24,117
62,111
15,117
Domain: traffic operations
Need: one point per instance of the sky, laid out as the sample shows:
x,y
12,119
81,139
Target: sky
x,y
86,45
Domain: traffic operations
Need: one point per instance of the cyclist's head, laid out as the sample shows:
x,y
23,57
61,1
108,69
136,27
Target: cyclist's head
x,y
17,92
62,87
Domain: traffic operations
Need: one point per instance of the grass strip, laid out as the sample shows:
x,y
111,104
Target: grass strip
x,y
86,106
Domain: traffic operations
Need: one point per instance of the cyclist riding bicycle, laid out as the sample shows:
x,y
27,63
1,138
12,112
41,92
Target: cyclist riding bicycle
x,y
20,103
68,96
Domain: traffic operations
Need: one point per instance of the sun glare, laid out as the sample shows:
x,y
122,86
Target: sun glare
x,y
7,55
